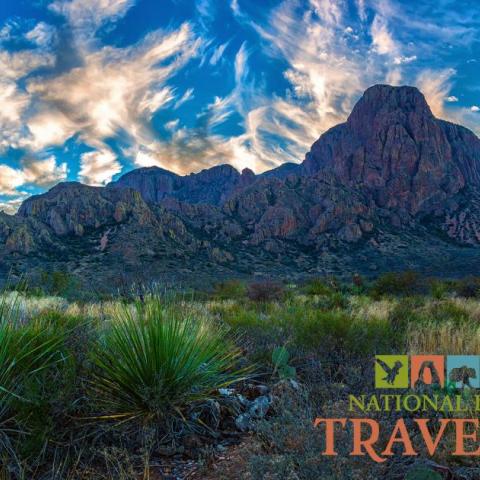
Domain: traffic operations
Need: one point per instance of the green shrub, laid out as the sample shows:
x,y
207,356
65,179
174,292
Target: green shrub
x,y
57,282
317,286
438,289
336,300
241,317
151,363
372,336
230,289
448,311
392,283
405,312
326,329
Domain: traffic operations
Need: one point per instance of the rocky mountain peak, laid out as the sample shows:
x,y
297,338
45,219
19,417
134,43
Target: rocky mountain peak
x,y
385,99
396,150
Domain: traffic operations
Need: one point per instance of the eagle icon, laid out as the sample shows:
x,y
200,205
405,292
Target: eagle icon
x,y
391,372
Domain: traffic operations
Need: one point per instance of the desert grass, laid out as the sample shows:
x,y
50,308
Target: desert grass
x,y
85,367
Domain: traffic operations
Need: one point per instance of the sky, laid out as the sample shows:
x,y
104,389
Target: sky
x,y
90,89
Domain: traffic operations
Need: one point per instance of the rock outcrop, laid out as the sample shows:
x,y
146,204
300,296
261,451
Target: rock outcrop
x,y
71,208
212,186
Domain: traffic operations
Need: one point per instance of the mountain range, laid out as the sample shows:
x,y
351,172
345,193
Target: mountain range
x,y
392,188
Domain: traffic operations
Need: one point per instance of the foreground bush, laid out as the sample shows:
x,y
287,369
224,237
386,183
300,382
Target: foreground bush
x,y
153,363
26,353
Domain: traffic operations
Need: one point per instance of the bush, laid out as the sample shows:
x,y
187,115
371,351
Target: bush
x,y
58,283
337,300
404,313
230,289
27,352
373,336
468,287
448,311
152,363
317,286
403,283
266,291
327,329
438,289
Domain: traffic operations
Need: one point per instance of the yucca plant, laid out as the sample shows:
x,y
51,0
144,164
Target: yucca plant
x,y
152,362
25,351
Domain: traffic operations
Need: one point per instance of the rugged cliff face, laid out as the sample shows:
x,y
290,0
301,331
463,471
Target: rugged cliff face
x,y
392,185
394,148
71,208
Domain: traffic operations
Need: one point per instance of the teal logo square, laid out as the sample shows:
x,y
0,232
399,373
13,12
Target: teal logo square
x,y
463,371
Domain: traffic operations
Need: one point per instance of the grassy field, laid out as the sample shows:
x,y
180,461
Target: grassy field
x,y
154,384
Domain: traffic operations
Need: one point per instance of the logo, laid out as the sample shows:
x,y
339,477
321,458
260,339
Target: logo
x,y
420,371
441,394
391,371
427,370
463,371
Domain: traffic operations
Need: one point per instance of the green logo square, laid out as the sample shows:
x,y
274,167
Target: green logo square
x,y
391,371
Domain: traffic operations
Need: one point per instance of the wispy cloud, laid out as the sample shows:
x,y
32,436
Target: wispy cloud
x,y
218,53
436,86
86,17
188,95
66,84
111,90
382,39
329,68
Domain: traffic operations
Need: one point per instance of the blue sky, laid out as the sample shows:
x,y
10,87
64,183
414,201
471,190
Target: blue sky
x,y
90,89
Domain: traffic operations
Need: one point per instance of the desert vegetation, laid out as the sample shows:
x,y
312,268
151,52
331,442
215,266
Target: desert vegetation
x,y
221,383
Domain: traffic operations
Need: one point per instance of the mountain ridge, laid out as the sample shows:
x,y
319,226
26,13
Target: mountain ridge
x,y
392,180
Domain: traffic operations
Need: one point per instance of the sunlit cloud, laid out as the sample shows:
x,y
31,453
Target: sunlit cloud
x,y
110,91
40,172
44,173
10,180
188,95
401,60
436,85
114,89
11,206
382,39
43,35
99,167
